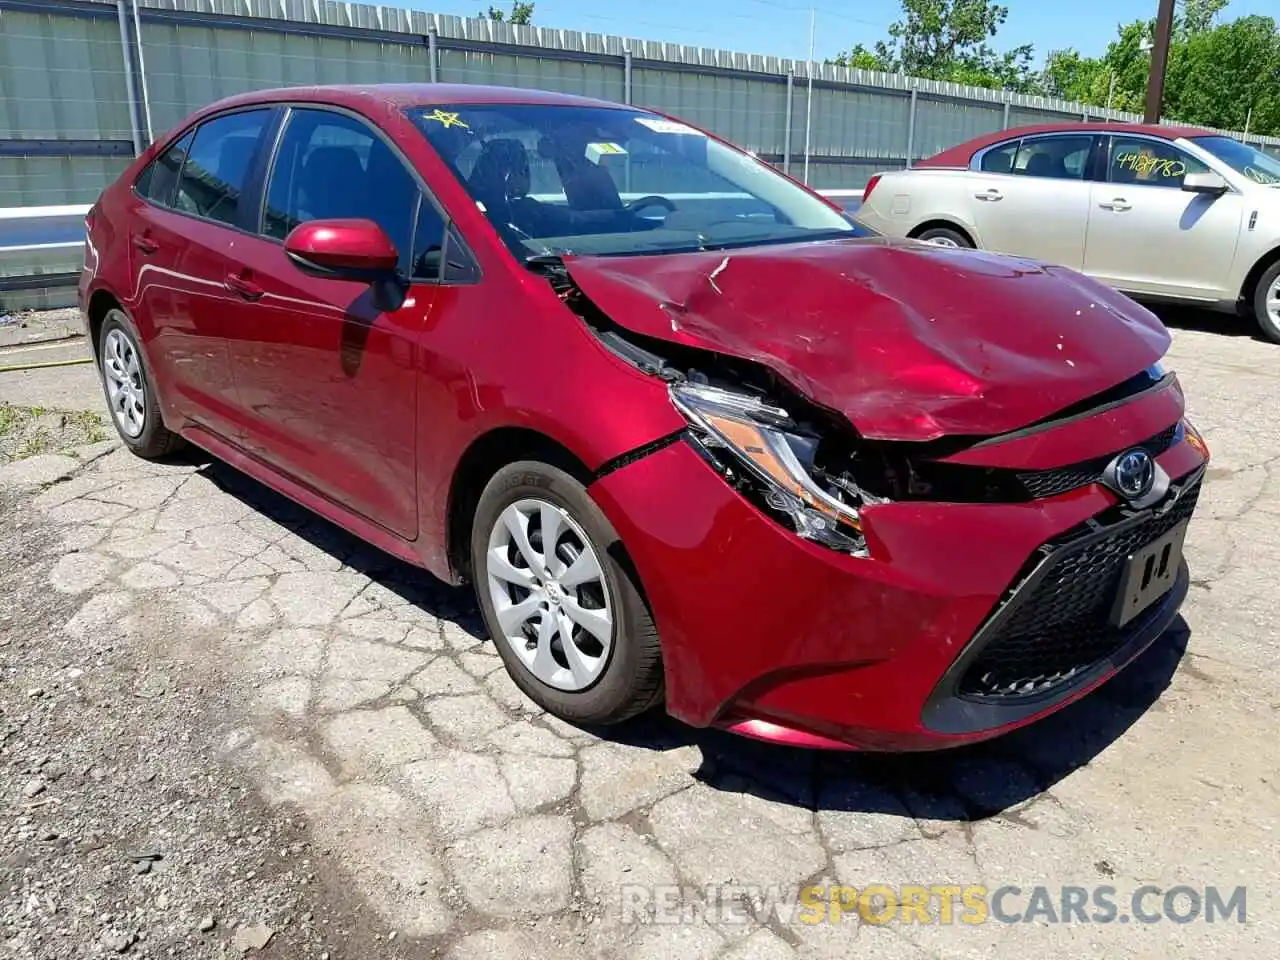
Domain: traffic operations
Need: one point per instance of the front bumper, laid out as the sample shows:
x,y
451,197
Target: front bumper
x,y
775,637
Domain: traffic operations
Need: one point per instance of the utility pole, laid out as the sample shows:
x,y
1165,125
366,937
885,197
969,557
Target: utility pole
x,y
1159,60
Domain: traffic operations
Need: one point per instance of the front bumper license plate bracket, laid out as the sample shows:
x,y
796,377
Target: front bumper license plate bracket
x,y
1149,573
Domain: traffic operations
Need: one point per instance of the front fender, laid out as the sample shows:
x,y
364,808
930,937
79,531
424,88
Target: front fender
x,y
485,367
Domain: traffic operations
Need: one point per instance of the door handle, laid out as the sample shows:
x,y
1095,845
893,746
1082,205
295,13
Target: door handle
x,y
145,244
243,288
991,195
1119,205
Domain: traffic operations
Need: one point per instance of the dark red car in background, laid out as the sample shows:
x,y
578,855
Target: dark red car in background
x,y
696,436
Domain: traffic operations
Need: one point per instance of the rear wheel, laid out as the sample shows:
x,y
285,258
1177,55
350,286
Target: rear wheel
x,y
131,396
568,621
945,237
1266,303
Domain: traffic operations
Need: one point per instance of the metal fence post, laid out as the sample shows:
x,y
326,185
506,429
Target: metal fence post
x,y
433,55
1004,124
142,72
626,98
786,135
131,91
911,127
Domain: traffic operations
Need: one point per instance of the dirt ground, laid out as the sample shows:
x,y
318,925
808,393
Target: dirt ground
x,y
228,729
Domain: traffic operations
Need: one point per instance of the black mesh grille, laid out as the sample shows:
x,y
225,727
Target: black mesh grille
x,y
1050,483
1063,627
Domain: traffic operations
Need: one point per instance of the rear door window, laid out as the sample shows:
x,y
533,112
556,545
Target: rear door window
x,y
1058,158
218,166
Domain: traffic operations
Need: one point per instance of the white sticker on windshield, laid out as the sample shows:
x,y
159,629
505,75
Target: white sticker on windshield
x,y
658,125
598,151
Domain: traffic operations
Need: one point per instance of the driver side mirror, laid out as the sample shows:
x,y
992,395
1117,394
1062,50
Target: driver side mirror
x,y
1207,182
343,250
357,250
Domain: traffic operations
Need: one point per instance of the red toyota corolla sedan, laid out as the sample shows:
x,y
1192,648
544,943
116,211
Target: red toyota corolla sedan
x,y
696,436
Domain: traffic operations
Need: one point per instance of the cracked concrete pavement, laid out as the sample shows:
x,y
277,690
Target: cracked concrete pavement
x,y
360,696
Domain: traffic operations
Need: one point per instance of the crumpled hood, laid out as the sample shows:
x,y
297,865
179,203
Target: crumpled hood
x,y
908,340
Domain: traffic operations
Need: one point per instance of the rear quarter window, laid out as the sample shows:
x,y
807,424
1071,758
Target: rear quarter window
x,y
159,180
1000,159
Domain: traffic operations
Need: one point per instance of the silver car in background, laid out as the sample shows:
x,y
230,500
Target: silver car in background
x,y
1161,213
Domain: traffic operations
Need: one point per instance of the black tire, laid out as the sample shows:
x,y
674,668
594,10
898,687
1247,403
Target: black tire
x,y
945,236
1270,328
631,680
155,440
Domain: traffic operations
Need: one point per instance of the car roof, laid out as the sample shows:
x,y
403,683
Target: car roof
x,y
960,155
400,95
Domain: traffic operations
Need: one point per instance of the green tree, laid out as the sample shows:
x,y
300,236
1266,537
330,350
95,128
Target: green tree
x,y
1070,76
521,14
948,40
1197,16
1219,76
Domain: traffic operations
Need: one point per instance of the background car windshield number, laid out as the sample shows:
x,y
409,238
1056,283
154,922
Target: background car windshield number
x,y
1149,165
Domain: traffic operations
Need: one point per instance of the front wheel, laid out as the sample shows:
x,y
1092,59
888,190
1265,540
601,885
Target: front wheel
x,y
567,619
131,396
1266,303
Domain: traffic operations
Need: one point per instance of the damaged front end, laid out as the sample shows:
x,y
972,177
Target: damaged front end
x,y
926,537
794,460
809,467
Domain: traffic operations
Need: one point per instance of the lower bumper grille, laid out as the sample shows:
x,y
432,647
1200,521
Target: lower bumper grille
x,y
1062,627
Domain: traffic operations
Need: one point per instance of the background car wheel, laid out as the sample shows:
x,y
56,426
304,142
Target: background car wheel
x,y
1266,303
945,237
568,621
131,397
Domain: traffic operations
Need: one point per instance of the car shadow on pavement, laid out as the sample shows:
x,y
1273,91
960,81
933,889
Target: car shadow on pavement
x,y
961,784
414,585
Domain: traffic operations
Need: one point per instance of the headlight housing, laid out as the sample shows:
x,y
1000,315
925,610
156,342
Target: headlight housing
x,y
766,442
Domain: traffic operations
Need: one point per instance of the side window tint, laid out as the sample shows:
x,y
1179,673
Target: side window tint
x,y
1151,163
331,166
1058,158
158,181
217,168
428,243
1000,159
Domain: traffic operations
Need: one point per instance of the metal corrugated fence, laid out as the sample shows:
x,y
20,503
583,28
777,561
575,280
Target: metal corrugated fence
x,y
79,78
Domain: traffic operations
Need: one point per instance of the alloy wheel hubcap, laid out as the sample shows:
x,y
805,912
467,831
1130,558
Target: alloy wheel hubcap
x,y
126,390
549,594
943,242
1273,301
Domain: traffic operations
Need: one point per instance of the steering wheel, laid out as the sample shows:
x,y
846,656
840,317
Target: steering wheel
x,y
652,200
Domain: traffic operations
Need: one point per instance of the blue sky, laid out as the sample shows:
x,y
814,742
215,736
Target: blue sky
x,y
781,27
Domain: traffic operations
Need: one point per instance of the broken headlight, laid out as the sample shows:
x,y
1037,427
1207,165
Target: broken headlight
x,y
765,441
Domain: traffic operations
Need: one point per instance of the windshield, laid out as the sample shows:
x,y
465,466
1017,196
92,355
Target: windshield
x,y
1254,164
560,179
